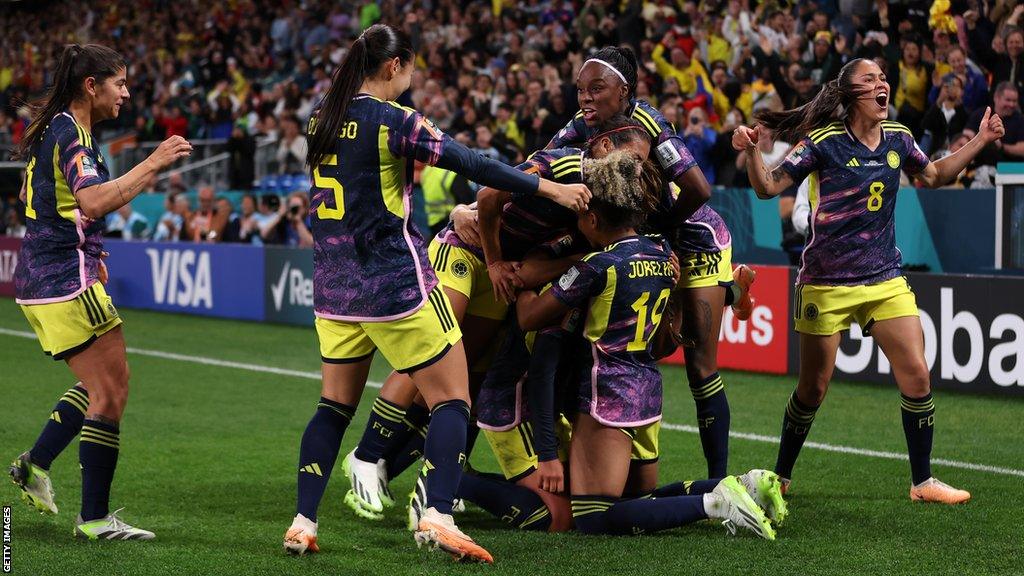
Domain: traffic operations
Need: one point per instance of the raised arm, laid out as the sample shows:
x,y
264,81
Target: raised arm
x,y
101,199
941,172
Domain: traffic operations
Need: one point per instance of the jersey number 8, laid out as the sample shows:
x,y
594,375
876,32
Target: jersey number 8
x,y
875,198
639,343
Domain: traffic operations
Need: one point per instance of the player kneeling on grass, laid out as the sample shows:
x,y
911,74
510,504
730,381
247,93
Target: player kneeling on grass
x,y
624,289
59,279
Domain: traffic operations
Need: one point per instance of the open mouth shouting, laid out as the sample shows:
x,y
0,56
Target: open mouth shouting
x,y
882,99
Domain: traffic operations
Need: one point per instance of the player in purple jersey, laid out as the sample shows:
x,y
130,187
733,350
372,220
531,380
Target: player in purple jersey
x,y
624,289
373,286
606,86
531,228
851,269
59,278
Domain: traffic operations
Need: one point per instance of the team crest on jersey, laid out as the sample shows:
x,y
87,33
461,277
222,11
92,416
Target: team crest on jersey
x,y
568,278
893,159
811,312
460,269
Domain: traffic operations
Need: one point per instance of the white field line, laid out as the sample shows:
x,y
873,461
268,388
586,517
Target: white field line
x,y
665,425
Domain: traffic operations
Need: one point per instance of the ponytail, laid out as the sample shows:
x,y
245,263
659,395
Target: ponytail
x,y
76,63
827,106
375,46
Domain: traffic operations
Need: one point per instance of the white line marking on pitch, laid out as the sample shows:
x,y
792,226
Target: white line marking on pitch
x,y
665,425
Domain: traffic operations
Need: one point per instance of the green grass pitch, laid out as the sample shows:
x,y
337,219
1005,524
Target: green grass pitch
x,y
208,459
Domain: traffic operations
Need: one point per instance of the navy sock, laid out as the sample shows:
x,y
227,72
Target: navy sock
x,y
713,421
64,424
97,454
919,427
796,424
603,515
515,505
411,449
687,488
318,452
444,453
384,427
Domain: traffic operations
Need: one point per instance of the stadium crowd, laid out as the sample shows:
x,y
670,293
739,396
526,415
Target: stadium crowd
x,y
500,75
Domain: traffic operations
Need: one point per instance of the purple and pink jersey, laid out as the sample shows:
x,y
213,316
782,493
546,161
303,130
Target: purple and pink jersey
x,y
369,260
624,289
60,253
852,193
528,222
703,232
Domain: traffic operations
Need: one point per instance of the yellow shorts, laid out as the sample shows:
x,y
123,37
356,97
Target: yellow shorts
x,y
460,270
645,442
703,269
513,448
826,310
408,344
65,328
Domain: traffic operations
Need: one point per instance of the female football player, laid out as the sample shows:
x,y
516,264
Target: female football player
x,y
623,290
373,284
606,86
58,279
850,270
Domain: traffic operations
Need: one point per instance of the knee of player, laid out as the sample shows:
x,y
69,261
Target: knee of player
x,y
812,393
917,382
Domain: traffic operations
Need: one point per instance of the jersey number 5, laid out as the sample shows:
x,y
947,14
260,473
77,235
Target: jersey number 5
x,y
639,343
875,196
329,183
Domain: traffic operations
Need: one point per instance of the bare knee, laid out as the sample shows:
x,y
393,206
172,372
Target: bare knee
x,y
811,390
916,381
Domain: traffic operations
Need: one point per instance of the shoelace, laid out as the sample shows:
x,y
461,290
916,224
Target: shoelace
x,y
115,522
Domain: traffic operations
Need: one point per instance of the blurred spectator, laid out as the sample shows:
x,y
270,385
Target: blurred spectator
x,y
241,226
1007,64
975,87
945,118
241,148
206,224
296,230
14,223
1011,147
172,225
912,81
291,152
127,224
700,138
267,220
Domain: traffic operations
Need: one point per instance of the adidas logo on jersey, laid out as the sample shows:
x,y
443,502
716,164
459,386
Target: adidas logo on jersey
x,y
853,162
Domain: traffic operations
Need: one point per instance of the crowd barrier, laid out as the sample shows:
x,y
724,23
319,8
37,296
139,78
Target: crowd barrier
x,y
973,325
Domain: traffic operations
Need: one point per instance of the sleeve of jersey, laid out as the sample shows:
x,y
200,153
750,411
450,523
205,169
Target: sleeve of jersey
x,y
581,282
540,386
420,140
78,162
916,160
571,134
801,161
